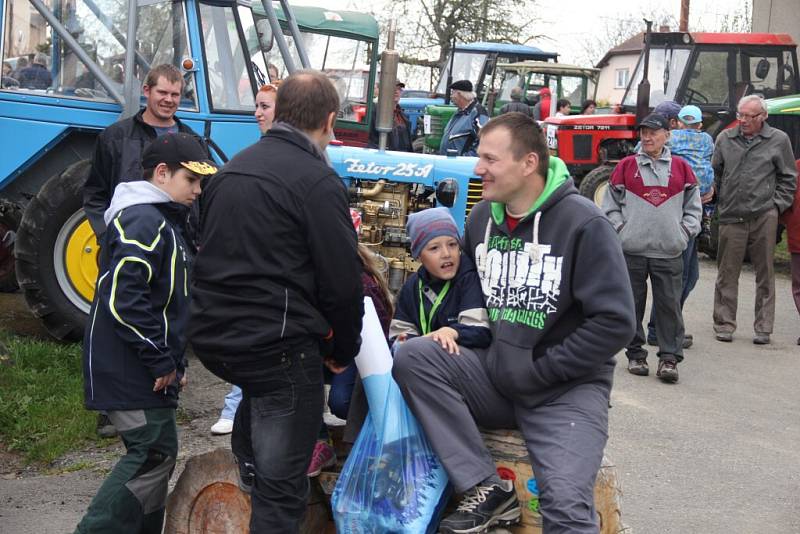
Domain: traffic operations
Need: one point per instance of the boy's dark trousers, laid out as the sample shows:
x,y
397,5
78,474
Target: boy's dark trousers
x,y
132,498
275,428
666,279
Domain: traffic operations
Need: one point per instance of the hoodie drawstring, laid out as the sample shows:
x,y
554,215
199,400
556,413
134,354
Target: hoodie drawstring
x,y
535,250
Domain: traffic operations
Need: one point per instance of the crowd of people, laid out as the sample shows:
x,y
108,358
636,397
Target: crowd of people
x,y
514,324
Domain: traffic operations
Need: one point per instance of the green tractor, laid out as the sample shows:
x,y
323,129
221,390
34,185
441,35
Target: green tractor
x,y
576,84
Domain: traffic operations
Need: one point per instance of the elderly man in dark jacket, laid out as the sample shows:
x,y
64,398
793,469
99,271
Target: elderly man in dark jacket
x,y
461,133
754,176
399,139
277,293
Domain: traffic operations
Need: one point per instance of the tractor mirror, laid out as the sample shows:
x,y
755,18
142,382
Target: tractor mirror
x,y
762,68
446,192
265,39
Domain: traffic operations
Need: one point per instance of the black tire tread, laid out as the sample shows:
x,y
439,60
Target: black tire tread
x,y
61,319
11,214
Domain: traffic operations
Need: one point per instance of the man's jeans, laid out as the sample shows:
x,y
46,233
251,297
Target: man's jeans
x,y
691,274
275,429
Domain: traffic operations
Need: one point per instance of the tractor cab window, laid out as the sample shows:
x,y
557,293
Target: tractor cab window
x,y
768,74
345,61
708,79
511,79
664,73
229,83
37,60
466,66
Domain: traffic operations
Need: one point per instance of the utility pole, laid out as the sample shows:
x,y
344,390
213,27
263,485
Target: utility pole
x,y
683,25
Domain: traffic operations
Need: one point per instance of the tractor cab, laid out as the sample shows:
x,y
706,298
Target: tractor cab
x,y
709,70
576,84
477,63
714,70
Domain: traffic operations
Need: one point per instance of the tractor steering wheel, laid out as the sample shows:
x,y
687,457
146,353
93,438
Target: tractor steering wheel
x,y
692,96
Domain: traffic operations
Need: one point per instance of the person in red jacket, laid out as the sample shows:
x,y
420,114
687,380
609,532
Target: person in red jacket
x,y
791,219
542,108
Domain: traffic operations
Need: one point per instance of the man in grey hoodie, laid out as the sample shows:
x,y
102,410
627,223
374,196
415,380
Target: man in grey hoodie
x,y
560,307
654,204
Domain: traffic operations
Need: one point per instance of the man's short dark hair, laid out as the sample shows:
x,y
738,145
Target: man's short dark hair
x,y
305,100
563,102
165,70
526,137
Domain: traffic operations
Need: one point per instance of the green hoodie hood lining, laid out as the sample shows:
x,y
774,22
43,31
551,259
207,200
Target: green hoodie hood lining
x,y
557,174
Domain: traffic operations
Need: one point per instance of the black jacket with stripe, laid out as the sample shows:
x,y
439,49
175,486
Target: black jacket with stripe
x,y
136,327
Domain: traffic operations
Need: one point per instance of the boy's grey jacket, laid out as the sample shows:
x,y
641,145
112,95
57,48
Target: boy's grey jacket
x,y
135,331
752,178
557,292
654,205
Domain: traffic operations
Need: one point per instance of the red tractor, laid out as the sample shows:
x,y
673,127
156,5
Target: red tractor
x,y
710,70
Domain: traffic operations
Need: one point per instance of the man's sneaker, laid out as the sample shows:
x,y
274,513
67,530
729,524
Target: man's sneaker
x,y
222,427
105,428
667,370
725,337
688,340
247,476
483,507
324,456
761,339
638,367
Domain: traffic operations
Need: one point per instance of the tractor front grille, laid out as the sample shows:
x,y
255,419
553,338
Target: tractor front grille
x,y
474,192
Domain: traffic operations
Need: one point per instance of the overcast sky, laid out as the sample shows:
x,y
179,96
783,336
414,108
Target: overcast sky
x,y
566,22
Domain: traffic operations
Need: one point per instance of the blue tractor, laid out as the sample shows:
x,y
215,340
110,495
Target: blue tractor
x,y
477,63
226,49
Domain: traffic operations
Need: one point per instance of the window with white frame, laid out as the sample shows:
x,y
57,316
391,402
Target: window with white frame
x,y
620,78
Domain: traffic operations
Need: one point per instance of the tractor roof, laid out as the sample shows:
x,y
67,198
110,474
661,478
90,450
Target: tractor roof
x,y
506,48
756,39
336,22
556,69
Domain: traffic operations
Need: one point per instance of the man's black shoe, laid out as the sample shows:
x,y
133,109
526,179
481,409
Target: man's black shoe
x,y
688,340
247,476
483,507
105,428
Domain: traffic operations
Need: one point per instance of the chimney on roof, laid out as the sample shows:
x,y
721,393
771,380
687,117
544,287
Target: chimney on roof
x,y
664,28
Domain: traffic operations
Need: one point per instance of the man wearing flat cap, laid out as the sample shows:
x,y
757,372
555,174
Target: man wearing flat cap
x,y
461,133
654,204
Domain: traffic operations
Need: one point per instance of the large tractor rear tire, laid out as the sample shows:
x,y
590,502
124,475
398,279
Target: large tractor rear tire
x,y
10,214
595,183
56,254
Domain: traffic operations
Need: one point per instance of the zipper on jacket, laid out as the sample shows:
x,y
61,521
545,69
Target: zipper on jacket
x,y
285,309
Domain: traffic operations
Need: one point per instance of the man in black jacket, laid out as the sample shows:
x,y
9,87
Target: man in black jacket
x,y
276,279
399,139
119,147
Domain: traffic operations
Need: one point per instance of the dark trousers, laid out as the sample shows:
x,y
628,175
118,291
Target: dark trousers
x,y
666,280
451,396
755,238
691,274
275,429
132,497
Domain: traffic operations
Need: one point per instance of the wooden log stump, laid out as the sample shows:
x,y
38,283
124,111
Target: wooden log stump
x,y
207,500
509,451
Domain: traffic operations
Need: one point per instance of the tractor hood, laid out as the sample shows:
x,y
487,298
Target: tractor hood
x,y
594,122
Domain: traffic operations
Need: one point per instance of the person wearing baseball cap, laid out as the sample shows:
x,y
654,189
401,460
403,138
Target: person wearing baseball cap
x,y
133,352
669,110
654,204
400,138
460,136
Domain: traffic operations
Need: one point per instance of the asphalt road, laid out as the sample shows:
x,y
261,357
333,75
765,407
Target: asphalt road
x,y
718,452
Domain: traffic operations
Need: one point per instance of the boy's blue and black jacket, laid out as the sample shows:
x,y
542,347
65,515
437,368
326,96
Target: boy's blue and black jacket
x,y
135,331
462,308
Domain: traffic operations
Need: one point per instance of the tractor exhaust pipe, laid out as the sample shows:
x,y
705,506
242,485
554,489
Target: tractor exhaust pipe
x,y
390,59
643,90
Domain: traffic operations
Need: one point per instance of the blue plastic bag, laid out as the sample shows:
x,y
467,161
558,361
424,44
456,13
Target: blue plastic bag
x,y
392,481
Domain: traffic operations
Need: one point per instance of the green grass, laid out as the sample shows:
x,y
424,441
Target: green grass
x,y
41,394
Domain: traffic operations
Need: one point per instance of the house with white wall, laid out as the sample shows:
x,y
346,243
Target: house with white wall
x,y
616,68
777,16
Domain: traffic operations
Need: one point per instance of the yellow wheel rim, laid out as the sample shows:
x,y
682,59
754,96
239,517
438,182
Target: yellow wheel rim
x,y
80,259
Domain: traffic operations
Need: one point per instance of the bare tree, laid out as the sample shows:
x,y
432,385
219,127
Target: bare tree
x,y
616,31
427,28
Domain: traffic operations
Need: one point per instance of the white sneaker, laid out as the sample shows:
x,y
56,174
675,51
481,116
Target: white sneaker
x,y
221,427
